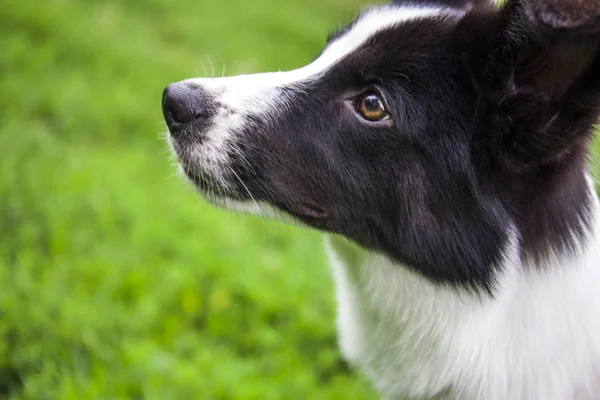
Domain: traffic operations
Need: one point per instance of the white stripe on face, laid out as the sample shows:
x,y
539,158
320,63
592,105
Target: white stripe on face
x,y
255,94
234,90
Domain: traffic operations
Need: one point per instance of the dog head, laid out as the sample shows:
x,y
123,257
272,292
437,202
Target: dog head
x,y
427,130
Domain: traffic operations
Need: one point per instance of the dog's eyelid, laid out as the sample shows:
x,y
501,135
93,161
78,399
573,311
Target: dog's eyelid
x,y
369,87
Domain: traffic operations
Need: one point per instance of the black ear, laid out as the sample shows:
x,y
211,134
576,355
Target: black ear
x,y
458,4
548,89
577,17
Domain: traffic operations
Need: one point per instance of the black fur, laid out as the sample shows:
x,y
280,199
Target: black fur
x,y
491,122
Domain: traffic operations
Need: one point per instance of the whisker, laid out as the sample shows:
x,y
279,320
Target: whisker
x,y
212,67
243,157
249,194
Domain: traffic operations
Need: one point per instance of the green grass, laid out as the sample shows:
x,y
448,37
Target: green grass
x,y
118,282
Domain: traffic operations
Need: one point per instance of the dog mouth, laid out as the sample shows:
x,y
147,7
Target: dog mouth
x,y
208,186
305,210
203,184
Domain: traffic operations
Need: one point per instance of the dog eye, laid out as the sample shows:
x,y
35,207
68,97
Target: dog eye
x,y
371,107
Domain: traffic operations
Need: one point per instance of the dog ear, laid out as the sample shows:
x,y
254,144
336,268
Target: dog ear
x,y
573,16
548,88
466,5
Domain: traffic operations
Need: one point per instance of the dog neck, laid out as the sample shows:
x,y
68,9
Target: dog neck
x,y
537,334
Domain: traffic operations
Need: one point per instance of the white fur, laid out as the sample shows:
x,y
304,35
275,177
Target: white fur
x,y
538,338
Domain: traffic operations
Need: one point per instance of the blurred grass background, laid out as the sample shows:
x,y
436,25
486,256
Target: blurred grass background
x,y
118,281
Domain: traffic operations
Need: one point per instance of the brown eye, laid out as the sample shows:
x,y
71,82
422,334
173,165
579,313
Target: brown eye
x,y
371,107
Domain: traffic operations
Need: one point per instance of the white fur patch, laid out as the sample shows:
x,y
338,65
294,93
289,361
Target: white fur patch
x,y
538,338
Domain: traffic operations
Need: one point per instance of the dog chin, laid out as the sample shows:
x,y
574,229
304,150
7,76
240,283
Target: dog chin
x,y
252,207
223,198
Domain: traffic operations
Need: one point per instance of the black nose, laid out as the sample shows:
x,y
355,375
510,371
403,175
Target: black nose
x,y
183,103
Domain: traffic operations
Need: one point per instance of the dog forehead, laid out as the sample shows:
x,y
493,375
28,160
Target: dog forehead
x,y
252,94
373,21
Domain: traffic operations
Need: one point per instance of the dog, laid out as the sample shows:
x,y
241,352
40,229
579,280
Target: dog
x,y
443,147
